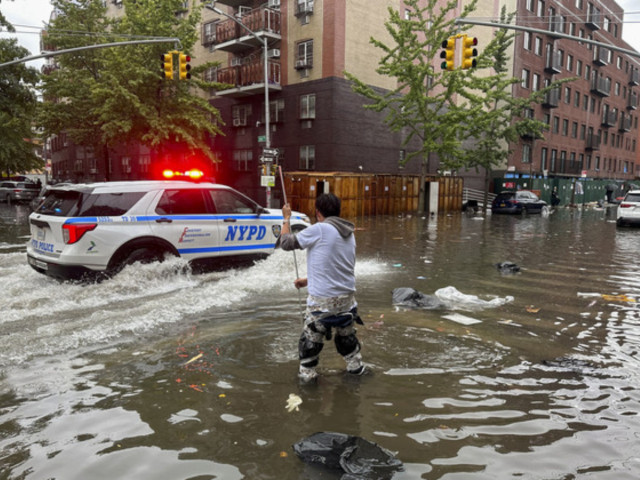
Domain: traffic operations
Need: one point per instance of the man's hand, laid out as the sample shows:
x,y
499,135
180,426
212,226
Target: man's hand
x,y
300,283
286,211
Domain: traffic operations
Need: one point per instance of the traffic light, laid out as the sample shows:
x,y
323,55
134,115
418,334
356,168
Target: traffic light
x,y
183,66
468,52
167,65
448,53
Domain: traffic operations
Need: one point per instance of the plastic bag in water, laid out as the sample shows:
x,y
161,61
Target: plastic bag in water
x,y
351,454
409,297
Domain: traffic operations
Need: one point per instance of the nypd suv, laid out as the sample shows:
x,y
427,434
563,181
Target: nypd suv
x,y
85,231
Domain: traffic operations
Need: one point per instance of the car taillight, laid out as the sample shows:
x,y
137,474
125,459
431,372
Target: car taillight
x,y
72,232
625,205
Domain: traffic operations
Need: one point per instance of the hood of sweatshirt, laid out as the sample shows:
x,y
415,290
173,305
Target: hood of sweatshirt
x,y
344,227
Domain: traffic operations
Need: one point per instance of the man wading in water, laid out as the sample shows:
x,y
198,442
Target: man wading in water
x,y
331,303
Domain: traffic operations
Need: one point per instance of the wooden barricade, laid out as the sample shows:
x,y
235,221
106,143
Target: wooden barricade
x,y
369,194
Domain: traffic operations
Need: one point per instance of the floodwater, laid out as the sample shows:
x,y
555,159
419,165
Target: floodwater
x,y
162,374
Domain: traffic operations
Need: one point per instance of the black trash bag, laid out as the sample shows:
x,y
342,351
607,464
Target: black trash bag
x,y
409,297
350,454
507,268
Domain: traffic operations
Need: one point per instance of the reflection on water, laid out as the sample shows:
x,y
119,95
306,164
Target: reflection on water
x,y
161,374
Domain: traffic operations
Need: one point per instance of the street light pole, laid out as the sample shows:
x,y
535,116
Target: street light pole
x,y
267,155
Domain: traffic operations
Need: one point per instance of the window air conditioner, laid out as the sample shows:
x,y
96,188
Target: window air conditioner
x,y
274,4
301,63
273,53
236,61
238,122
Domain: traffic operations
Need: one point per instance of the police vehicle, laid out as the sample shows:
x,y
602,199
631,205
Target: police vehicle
x,y
84,231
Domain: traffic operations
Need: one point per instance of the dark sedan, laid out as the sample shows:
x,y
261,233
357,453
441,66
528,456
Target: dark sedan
x,y
522,201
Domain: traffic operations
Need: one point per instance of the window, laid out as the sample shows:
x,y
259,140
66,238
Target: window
x,y
276,110
181,202
576,99
527,41
556,125
226,201
307,157
242,160
304,56
526,153
209,33
538,46
574,130
525,78
567,95
308,106
543,158
569,63
530,5
579,68
240,114
565,127
540,11
536,82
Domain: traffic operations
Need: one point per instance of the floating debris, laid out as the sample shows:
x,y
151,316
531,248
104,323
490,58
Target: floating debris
x,y
293,403
197,357
532,309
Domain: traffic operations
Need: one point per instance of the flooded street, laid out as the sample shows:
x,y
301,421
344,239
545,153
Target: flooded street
x,y
166,375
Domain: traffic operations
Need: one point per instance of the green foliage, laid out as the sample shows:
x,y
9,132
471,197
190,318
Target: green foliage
x,y
17,108
113,96
423,103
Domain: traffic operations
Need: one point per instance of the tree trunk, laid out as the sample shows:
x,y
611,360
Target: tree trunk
x,y
423,176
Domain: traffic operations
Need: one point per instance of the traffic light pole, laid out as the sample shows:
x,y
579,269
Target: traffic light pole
x,y
91,47
267,153
482,23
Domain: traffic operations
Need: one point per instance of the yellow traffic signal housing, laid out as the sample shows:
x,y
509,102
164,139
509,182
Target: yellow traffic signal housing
x,y
468,52
448,54
167,65
183,66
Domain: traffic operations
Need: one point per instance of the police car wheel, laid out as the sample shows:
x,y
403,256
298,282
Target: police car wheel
x,y
143,255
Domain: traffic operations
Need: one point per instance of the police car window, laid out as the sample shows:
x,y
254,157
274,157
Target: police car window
x,y
182,202
108,204
227,201
59,203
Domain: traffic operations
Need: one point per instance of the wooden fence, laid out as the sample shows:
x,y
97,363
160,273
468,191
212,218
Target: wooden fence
x,y
369,194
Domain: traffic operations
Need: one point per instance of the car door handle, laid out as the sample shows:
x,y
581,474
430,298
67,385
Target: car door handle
x,y
163,220
229,219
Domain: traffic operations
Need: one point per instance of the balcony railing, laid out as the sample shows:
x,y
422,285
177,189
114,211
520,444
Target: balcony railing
x,y
625,123
609,118
594,19
601,55
257,20
249,74
601,86
551,98
634,77
593,142
554,61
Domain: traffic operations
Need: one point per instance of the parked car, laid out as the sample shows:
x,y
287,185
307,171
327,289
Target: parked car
x,y
521,201
88,231
11,191
629,209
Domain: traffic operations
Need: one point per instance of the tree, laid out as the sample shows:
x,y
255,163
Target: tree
x,y
116,96
423,103
17,109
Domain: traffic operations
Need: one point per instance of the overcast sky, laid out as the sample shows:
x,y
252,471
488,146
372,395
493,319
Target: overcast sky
x,y
29,16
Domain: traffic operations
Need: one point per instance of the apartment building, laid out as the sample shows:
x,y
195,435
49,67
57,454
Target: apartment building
x,y
593,120
316,122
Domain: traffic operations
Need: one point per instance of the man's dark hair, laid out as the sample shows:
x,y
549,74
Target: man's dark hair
x,y
328,205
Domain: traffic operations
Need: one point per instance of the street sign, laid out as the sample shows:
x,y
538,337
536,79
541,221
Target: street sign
x,y
262,138
270,152
268,181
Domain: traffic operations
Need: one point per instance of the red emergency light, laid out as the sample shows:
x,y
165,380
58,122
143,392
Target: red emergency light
x,y
193,174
